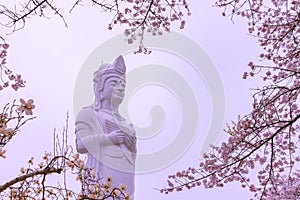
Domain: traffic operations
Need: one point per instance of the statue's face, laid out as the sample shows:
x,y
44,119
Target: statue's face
x,y
114,90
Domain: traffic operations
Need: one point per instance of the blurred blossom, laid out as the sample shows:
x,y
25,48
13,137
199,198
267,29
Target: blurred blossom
x,y
26,106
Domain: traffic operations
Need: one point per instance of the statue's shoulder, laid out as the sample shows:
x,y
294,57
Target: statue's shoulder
x,y
85,114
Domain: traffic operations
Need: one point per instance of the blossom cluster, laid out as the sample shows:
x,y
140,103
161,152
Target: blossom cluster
x,y
264,141
93,187
7,78
31,184
12,118
262,149
140,16
275,23
63,163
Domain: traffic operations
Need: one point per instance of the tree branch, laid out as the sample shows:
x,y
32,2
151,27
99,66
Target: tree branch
x,y
44,171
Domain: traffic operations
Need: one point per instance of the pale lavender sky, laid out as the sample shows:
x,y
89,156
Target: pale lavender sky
x,y
50,56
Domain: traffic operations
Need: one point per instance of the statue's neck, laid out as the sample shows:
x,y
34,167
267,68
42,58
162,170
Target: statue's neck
x,y
111,108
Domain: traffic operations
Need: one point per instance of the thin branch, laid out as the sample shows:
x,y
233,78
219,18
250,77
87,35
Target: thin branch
x,y
21,178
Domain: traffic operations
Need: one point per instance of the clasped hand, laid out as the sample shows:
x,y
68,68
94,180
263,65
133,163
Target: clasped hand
x,y
118,137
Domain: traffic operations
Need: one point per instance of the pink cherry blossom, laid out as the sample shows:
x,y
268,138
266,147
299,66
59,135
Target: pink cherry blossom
x,y
26,106
153,16
8,78
261,152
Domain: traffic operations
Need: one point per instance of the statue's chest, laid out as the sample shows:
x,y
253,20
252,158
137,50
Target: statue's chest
x,y
109,123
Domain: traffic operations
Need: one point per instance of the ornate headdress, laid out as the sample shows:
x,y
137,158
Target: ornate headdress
x,y
105,71
117,68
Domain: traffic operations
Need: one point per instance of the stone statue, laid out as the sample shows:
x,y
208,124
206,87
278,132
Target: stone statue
x,y
103,134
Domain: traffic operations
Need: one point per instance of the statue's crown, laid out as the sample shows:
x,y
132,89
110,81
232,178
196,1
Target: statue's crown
x,y
117,68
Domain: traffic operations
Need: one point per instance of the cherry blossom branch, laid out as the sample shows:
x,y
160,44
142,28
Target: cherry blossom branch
x,y
153,16
31,184
14,80
30,175
276,24
16,17
106,7
267,138
188,175
12,118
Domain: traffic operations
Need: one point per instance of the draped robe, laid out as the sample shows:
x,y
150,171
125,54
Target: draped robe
x,y
104,157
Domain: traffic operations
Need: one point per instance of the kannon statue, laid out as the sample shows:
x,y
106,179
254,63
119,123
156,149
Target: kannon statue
x,y
103,133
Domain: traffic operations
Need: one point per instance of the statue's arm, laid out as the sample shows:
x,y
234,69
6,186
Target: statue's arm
x,y
79,145
86,136
130,140
131,143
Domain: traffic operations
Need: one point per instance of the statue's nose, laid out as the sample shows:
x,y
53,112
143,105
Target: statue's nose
x,y
120,88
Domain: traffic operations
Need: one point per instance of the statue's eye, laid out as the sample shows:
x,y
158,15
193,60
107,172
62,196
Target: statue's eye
x,y
121,84
113,83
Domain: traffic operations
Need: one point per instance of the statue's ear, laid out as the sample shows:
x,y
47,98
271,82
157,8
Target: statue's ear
x,y
119,65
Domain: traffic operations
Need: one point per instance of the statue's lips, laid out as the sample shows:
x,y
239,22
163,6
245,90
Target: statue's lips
x,y
119,94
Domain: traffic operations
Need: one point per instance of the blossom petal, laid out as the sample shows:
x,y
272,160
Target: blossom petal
x,y
22,101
